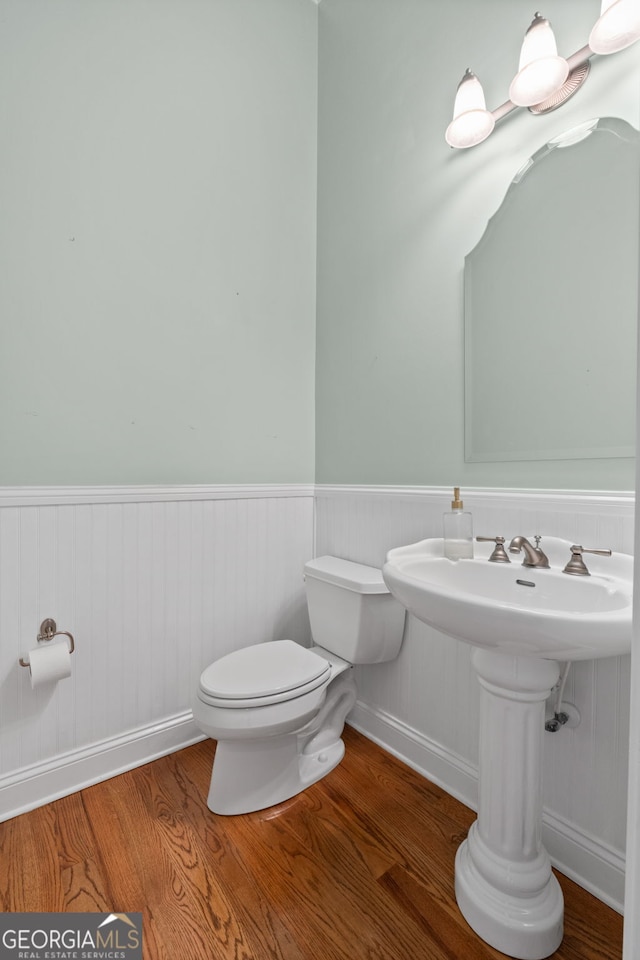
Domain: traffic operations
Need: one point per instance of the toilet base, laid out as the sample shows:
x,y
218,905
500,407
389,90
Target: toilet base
x,y
256,773
251,775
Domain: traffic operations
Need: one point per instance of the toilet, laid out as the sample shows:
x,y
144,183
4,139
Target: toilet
x,y
277,709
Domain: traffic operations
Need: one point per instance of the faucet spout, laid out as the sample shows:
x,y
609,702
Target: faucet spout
x,y
533,556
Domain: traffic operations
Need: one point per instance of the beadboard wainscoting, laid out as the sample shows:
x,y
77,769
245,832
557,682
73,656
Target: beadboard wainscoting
x,y
154,583
423,707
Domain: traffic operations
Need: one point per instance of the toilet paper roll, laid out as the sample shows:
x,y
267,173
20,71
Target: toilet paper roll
x,y
49,663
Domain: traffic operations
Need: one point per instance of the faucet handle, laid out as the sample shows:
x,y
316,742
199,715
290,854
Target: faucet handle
x,y
499,554
576,565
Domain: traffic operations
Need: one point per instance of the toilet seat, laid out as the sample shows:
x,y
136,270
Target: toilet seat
x,y
261,674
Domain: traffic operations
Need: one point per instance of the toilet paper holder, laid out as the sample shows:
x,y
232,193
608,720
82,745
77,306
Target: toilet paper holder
x,y
49,630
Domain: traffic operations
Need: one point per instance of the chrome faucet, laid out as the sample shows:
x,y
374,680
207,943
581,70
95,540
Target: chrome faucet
x,y
533,556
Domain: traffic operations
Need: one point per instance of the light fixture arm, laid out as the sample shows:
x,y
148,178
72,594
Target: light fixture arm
x,y
580,56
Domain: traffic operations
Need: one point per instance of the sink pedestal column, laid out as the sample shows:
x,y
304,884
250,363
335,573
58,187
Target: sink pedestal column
x,y
504,885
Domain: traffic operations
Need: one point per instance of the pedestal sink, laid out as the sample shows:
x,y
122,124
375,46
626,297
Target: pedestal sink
x,y
521,621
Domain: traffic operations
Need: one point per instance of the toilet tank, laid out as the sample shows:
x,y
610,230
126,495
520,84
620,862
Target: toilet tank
x,y
351,611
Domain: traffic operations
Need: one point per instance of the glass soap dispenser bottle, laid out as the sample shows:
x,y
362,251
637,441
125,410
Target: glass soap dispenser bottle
x,y
458,530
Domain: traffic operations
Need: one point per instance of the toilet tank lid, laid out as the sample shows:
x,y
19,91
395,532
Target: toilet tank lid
x,y
345,573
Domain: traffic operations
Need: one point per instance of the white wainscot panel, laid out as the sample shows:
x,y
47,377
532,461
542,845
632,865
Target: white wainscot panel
x,y
423,706
153,586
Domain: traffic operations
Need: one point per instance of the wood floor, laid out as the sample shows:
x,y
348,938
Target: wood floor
x,y
359,867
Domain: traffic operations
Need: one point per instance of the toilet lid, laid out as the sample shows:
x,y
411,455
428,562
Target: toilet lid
x,y
270,669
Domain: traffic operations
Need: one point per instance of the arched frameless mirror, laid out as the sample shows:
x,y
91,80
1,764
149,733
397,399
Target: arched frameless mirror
x,y
551,305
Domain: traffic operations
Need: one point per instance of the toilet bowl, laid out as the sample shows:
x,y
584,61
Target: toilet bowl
x,y
277,709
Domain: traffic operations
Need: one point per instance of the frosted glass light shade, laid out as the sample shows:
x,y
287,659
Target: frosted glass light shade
x,y
472,122
541,71
618,26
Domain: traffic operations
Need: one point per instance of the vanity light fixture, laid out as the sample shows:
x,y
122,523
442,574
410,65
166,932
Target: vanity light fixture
x,y
472,122
541,71
544,80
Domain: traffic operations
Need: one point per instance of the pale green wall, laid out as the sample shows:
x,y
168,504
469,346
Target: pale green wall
x,y
158,197
397,213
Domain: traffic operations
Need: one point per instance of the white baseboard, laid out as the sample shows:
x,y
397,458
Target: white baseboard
x,y
592,864
585,859
441,766
33,786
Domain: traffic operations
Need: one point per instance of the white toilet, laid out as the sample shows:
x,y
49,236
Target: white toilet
x,y
277,709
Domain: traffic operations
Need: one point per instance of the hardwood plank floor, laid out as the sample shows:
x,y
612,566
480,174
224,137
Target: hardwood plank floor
x,y
359,867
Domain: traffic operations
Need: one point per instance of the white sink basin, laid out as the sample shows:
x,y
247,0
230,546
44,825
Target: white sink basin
x,y
512,609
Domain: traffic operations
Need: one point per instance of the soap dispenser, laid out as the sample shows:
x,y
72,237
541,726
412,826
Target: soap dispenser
x,y
458,530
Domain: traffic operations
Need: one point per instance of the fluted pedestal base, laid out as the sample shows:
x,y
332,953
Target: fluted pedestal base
x,y
504,885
